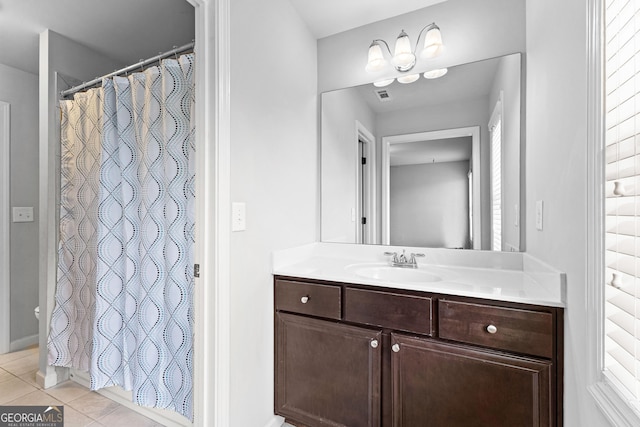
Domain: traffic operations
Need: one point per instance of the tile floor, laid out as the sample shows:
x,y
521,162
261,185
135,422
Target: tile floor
x,y
82,407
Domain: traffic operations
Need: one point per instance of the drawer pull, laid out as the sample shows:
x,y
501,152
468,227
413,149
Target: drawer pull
x,y
395,348
492,329
304,299
374,343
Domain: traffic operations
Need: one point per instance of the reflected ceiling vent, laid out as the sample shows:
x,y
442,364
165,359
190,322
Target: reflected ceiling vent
x,y
383,95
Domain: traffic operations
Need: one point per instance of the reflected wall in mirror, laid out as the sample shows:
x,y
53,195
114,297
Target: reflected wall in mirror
x,y
430,195
435,163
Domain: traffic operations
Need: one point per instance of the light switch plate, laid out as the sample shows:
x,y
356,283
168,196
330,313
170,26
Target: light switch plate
x,y
539,211
238,216
23,214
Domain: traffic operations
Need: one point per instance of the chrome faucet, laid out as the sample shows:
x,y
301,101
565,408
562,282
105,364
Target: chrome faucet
x,y
402,261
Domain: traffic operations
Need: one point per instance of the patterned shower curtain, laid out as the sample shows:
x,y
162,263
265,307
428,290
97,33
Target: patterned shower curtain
x,y
72,320
124,300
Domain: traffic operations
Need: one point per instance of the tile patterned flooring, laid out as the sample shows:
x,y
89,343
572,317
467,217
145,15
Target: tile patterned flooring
x,y
82,407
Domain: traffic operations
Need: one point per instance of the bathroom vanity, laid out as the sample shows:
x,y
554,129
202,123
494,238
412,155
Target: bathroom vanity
x,y
357,344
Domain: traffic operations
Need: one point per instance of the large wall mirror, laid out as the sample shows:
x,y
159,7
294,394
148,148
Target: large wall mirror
x,y
434,163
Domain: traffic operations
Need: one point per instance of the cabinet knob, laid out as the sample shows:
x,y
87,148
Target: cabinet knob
x,y
304,299
395,348
492,329
374,343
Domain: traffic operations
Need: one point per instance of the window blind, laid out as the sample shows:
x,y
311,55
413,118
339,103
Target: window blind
x,y
496,182
622,202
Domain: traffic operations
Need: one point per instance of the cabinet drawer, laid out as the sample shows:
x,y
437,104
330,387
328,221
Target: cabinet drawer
x,y
516,330
308,298
388,310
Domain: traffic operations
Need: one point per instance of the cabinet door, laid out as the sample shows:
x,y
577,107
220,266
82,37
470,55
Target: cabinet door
x,y
450,385
327,374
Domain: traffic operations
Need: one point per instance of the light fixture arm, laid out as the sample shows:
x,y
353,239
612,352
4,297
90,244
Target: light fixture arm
x,y
427,28
385,43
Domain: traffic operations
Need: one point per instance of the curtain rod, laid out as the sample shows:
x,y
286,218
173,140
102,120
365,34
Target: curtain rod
x,y
133,67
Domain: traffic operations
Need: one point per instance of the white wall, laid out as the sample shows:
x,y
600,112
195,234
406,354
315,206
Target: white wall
x,y
20,89
274,157
340,110
507,82
471,30
429,205
57,54
556,172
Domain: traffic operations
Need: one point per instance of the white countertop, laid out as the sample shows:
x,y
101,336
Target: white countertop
x,y
500,276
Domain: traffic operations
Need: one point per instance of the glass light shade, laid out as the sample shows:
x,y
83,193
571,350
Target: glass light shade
x,y
376,61
434,74
409,78
432,44
383,83
403,57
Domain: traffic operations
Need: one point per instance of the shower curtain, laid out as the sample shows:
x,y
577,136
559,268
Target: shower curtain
x,y
124,298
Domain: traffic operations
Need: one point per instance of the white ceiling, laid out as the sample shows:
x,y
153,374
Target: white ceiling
x,y
130,30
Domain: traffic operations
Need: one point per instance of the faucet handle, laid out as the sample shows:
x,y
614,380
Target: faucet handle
x,y
412,260
393,254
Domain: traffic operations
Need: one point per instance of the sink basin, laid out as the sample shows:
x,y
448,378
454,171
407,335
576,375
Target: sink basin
x,y
394,274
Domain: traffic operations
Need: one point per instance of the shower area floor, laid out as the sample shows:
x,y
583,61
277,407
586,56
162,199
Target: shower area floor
x,y
82,407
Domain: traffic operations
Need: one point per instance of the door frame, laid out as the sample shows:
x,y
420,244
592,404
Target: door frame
x,y
211,381
476,209
5,227
369,184
212,294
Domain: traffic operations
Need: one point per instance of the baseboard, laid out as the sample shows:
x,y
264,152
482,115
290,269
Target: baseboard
x,y
123,397
510,248
276,421
47,379
23,343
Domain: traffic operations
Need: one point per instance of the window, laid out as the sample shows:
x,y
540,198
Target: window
x,y
621,228
495,128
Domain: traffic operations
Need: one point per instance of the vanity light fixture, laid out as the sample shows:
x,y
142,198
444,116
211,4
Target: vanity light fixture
x,y
404,58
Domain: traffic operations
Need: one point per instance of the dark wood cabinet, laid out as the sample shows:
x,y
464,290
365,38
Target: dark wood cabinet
x,y
328,374
353,355
457,386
